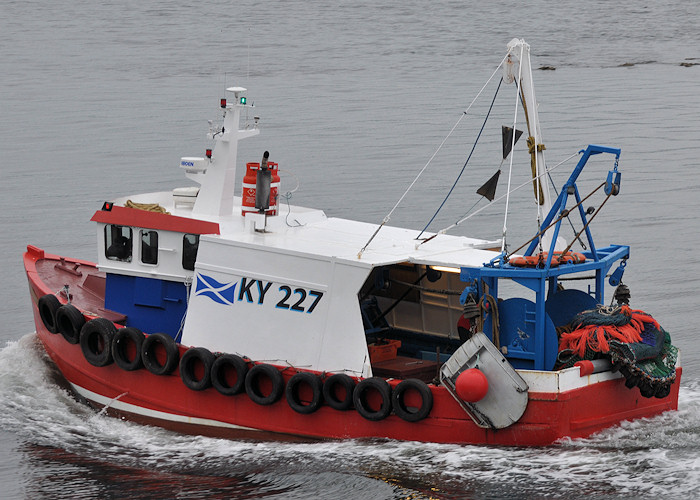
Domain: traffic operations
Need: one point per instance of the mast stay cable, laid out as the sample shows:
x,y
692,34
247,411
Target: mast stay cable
x,y
454,184
510,191
387,217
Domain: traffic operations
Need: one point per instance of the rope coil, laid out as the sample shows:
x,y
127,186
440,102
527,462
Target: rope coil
x,y
148,207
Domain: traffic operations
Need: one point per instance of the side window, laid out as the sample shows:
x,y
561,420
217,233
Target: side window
x,y
118,242
190,244
149,247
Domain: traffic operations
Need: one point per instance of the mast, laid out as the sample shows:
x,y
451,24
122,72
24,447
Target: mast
x,y
519,51
218,179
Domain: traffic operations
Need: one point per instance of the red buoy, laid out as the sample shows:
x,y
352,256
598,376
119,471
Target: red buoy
x,y
586,367
472,385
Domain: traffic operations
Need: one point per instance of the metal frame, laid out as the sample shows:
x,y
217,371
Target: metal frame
x,y
598,260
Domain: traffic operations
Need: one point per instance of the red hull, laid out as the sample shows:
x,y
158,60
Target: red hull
x,y
165,401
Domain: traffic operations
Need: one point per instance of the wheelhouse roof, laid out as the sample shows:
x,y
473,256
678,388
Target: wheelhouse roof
x,y
307,231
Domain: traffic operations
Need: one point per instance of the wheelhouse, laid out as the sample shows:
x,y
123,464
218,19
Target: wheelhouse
x,y
148,259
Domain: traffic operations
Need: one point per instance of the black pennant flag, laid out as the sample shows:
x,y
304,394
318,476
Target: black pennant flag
x,y
508,139
488,190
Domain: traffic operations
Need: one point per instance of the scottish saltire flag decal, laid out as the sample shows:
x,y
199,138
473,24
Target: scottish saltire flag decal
x,y
223,293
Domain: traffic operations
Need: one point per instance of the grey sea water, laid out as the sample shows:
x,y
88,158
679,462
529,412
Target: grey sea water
x,y
101,99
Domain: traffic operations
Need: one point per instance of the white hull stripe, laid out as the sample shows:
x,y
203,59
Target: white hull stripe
x,y
564,380
146,412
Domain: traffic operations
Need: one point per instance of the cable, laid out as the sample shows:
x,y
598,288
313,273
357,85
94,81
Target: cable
x,y
387,217
510,191
488,114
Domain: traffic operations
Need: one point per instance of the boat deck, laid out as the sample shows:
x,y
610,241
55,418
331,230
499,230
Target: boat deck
x,y
86,284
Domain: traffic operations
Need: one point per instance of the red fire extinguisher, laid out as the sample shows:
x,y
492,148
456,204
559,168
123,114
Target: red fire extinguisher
x,y
249,188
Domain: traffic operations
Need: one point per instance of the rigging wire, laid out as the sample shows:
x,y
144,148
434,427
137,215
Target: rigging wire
x,y
551,180
486,119
496,200
500,167
387,217
578,235
510,165
549,176
564,214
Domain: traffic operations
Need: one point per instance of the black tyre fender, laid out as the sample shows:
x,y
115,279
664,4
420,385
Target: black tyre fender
x,y
96,338
218,374
69,321
120,348
252,384
359,398
405,412
329,391
48,305
187,368
149,358
293,397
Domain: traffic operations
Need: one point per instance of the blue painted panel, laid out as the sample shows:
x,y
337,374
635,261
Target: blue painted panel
x,y
148,292
565,304
151,305
519,334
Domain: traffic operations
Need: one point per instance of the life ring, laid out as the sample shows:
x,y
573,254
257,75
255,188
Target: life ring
x,y
398,400
149,351
360,398
188,368
570,257
524,261
48,305
126,348
96,338
221,367
252,384
330,391
294,398
538,260
69,321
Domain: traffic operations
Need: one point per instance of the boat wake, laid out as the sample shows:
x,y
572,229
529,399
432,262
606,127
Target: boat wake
x,y
68,446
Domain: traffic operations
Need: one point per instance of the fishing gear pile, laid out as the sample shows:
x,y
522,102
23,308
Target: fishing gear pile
x,y
634,342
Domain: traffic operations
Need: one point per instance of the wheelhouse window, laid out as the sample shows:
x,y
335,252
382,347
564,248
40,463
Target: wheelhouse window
x,y
118,242
149,247
190,244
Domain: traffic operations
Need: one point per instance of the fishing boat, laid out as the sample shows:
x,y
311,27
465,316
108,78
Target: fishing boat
x,y
240,317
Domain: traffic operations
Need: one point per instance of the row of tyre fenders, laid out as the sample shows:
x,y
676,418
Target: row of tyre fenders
x,y
102,344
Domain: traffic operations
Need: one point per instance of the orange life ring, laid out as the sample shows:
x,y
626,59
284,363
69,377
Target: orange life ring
x,y
533,260
570,257
540,259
